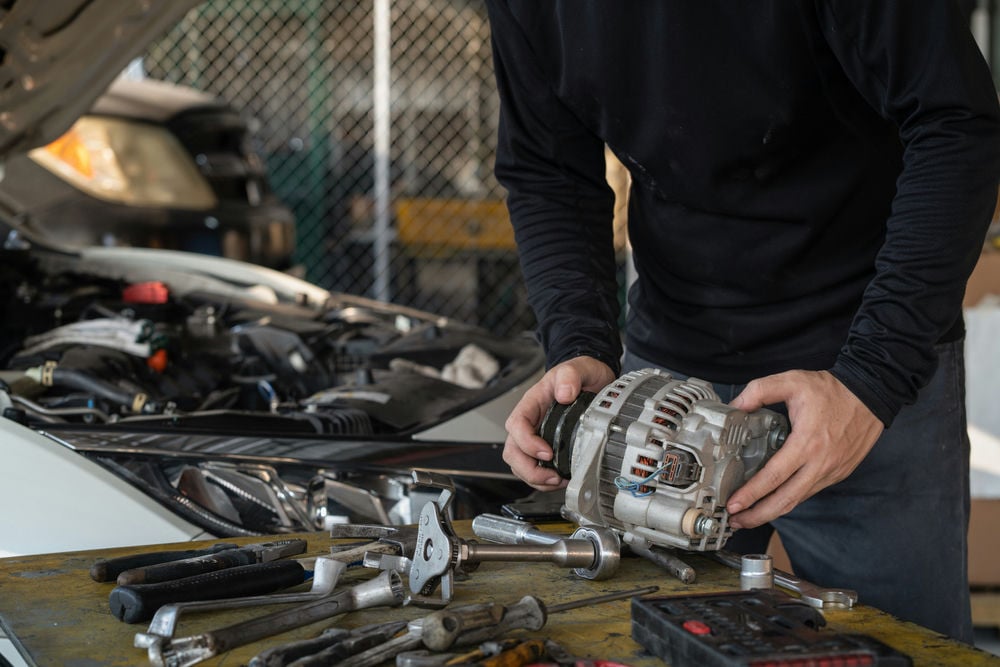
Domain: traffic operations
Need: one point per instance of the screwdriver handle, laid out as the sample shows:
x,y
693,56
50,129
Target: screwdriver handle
x,y
476,623
527,652
138,602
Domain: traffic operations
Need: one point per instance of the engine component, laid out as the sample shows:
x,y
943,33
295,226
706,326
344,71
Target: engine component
x,y
657,458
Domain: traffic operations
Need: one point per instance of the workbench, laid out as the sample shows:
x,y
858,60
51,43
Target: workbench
x,y
59,616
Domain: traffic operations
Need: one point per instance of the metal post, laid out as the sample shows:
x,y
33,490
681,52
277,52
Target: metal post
x,y
382,114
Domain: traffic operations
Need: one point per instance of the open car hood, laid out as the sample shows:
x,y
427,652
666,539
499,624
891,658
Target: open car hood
x,y
58,56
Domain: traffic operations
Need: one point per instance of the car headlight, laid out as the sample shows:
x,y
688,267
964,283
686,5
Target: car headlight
x,y
126,162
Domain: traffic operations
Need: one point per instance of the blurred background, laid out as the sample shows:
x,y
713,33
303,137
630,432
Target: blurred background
x,y
377,123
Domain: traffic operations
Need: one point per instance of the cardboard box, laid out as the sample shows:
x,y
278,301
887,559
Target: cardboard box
x,y
985,279
984,542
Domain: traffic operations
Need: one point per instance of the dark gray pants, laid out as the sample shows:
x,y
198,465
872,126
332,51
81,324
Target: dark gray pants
x,y
895,530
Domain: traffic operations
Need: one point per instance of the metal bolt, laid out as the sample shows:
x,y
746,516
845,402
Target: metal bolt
x,y
706,525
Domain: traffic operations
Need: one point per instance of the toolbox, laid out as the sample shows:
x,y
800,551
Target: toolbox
x,y
756,628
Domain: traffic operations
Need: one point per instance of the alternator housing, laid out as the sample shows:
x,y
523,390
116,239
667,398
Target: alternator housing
x,y
657,458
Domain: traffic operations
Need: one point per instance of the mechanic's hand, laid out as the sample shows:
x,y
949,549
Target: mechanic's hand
x,y
832,432
563,382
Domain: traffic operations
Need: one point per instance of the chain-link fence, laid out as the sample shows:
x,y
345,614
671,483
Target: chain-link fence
x,y
377,120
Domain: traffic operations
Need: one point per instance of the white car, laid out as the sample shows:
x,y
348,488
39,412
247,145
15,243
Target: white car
x,y
152,396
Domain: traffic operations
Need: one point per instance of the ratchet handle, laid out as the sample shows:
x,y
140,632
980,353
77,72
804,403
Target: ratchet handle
x,y
108,569
188,567
474,624
138,602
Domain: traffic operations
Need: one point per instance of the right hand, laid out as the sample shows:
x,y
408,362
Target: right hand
x,y
563,382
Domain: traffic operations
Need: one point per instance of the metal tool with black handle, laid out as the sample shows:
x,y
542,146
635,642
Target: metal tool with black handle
x,y
238,556
108,569
138,602
326,574
384,590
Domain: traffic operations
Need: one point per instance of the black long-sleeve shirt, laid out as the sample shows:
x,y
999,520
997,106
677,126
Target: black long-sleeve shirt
x,y
812,180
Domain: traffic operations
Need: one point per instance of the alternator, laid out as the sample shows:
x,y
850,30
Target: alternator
x,y
657,458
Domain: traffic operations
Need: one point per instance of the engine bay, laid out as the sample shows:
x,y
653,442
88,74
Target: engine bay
x,y
88,349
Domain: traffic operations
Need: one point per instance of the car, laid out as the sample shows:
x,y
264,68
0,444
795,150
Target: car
x,y
157,165
153,395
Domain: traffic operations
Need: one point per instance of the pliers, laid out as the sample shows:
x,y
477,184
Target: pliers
x,y
255,569
154,567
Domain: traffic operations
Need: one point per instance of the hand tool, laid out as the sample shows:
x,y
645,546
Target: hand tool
x,y
391,540
743,628
663,558
506,530
472,624
384,590
560,657
756,571
334,645
476,623
138,602
440,552
326,573
526,653
108,569
426,658
816,596
237,556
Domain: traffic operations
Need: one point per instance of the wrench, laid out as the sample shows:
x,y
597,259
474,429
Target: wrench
x,y
816,596
384,590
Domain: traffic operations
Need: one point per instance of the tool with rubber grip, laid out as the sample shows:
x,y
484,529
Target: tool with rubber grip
x,y
187,567
138,602
108,569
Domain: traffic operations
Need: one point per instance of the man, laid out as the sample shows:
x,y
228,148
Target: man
x,y
812,182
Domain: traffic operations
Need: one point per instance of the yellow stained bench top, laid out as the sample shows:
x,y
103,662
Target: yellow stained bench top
x,y
60,616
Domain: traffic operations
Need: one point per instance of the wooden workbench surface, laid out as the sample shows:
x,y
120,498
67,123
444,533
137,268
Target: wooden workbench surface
x,y
60,616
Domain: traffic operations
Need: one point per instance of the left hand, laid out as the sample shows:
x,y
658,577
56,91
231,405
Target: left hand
x,y
832,432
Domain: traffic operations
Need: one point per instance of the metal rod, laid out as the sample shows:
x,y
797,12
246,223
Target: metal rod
x,y
599,599
568,553
382,116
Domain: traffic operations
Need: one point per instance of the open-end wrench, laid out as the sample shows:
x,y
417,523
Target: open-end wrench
x,y
384,590
815,596
391,540
326,573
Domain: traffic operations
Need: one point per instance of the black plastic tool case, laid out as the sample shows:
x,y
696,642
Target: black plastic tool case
x,y
759,628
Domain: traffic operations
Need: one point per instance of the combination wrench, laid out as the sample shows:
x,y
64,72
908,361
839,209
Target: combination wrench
x,y
816,596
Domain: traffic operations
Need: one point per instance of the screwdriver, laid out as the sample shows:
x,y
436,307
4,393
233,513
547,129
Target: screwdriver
x,y
526,653
476,623
473,624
